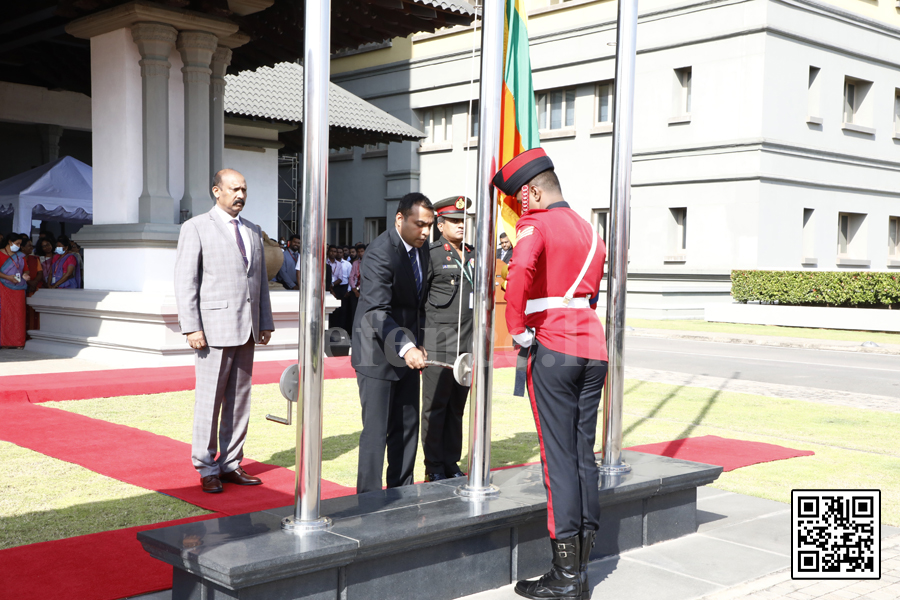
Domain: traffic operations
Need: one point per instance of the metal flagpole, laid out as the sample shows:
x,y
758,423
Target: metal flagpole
x,y
490,87
316,64
620,201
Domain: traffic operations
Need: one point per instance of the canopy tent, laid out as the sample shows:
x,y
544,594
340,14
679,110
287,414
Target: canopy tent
x,y
61,190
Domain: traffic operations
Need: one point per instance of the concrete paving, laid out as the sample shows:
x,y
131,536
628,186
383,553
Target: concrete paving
x,y
25,362
831,370
741,551
766,340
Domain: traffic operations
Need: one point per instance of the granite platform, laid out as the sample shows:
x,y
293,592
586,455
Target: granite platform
x,y
398,542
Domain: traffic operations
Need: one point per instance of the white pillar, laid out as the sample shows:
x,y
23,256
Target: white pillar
x,y
196,48
116,127
220,60
154,42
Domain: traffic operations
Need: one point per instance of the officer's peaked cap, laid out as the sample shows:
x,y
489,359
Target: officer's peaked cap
x,y
522,169
453,207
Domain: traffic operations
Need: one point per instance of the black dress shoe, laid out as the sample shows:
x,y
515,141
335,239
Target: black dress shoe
x,y
434,476
456,473
240,477
211,484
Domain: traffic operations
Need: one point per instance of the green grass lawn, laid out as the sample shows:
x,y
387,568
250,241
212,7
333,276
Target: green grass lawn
x,y
854,448
772,330
42,498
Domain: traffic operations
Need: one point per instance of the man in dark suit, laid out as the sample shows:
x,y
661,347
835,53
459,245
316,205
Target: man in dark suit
x,y
387,345
505,251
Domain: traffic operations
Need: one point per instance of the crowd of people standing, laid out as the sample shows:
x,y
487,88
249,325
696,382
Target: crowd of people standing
x,y
25,267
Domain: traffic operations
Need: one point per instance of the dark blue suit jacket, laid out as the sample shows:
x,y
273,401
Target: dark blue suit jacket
x,y
390,313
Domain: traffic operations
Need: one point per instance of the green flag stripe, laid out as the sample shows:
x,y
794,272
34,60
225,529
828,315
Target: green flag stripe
x,y
518,78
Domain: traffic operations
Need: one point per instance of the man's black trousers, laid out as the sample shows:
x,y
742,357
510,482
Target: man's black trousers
x,y
443,404
565,393
390,416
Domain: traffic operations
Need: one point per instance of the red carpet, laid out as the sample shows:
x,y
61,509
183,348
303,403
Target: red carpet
x,y
144,459
156,380
727,453
100,566
127,382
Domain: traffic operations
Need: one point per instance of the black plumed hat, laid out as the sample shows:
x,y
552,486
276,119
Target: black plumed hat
x,y
522,169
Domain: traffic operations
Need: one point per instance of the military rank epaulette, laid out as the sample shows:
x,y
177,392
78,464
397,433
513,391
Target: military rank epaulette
x,y
436,244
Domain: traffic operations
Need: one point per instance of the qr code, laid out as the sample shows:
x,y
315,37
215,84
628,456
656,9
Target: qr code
x,y
836,534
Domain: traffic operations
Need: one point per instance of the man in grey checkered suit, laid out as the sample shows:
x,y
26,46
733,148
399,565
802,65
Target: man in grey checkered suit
x,y
224,310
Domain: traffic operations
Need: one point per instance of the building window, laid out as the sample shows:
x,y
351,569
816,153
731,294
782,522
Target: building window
x,y
894,236
813,94
850,101
340,231
809,238
556,109
857,108
677,235
604,102
473,122
600,218
897,113
375,226
683,85
851,241
437,123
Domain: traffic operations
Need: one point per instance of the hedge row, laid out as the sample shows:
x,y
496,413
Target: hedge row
x,y
817,288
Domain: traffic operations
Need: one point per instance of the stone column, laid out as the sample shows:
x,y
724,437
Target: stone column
x,y
154,42
196,48
220,60
50,135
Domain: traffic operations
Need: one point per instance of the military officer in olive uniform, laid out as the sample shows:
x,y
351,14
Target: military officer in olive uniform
x,y
448,333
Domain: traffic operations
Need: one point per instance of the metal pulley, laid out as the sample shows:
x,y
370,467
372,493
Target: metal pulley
x,y
289,384
461,367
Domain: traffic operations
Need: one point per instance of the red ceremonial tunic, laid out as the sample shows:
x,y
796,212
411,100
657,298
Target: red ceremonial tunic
x,y
551,247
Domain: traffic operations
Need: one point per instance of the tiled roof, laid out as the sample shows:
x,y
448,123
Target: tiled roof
x,y
459,6
277,93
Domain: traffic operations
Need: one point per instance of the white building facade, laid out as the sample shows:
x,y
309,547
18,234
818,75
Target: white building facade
x,y
767,135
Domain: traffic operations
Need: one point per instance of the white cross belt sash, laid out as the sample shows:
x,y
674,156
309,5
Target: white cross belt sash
x,y
541,304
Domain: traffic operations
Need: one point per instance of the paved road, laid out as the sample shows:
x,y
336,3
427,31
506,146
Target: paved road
x,y
876,374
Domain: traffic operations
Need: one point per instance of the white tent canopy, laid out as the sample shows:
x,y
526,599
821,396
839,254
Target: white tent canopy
x,y
61,190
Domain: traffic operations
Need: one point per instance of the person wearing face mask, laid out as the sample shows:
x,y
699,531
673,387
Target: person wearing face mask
x,y
64,272
12,293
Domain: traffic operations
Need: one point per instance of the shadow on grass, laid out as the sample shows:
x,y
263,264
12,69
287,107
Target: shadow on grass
x,y
92,517
634,386
521,448
656,408
332,447
698,420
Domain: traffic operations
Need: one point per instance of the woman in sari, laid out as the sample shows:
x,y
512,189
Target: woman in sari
x,y
14,280
44,252
64,272
36,281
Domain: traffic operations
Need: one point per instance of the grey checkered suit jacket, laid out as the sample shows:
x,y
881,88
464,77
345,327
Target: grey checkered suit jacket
x,y
214,292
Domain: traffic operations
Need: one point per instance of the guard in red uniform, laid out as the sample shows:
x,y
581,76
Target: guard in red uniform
x,y
551,295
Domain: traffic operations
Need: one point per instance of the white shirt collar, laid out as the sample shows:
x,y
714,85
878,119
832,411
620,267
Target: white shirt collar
x,y
226,217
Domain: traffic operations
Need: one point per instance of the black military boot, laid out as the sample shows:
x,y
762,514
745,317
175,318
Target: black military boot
x,y
563,581
587,544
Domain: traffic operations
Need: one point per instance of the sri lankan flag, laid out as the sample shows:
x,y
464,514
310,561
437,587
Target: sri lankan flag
x,y
518,121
